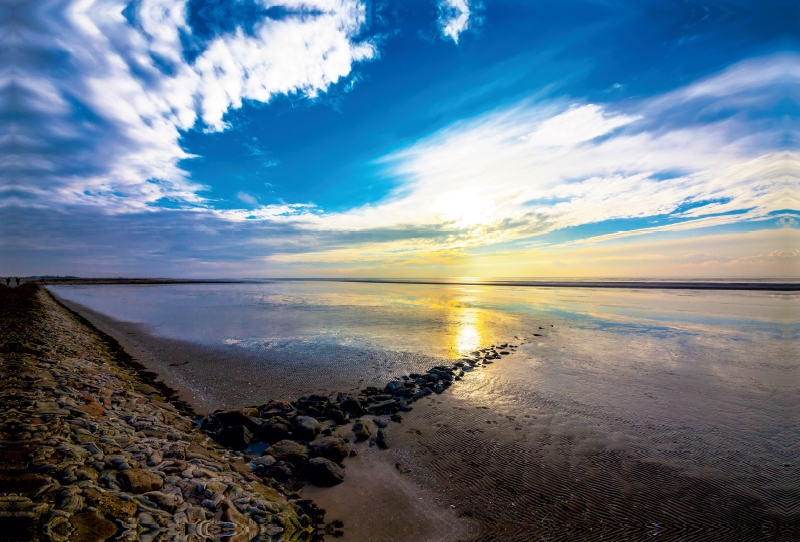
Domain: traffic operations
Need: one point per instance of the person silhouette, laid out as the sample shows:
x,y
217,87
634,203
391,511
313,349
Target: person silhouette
x,y
8,281
17,281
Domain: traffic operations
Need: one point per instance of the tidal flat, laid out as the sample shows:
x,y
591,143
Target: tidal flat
x,y
620,414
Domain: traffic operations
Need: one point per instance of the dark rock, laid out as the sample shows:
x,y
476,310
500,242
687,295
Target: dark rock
x,y
336,415
394,387
361,430
288,450
139,481
380,440
282,472
274,408
441,374
439,389
353,453
380,422
381,397
323,472
306,428
273,430
332,448
352,407
236,437
504,353
384,406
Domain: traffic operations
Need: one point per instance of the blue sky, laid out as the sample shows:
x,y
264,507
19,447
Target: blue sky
x,y
418,138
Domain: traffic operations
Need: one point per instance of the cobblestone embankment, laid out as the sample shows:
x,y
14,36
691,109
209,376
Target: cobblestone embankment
x,y
91,447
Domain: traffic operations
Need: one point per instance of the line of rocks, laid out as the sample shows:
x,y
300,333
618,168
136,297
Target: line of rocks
x,y
304,440
89,452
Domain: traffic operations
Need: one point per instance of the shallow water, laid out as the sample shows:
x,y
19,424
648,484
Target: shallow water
x,y
657,408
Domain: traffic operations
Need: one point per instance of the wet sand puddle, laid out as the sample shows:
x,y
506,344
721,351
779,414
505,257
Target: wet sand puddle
x,y
637,416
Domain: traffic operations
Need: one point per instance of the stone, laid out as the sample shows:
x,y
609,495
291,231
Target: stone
x,y
394,387
380,440
92,409
361,430
236,437
352,407
165,501
306,428
332,448
384,406
288,450
273,430
336,415
139,481
282,472
91,527
323,472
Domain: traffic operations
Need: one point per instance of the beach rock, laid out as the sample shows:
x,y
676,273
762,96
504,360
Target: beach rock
x,y
273,430
323,472
288,450
352,406
332,448
282,471
361,430
380,422
439,389
140,480
237,437
395,388
275,408
384,406
380,440
264,461
306,428
336,415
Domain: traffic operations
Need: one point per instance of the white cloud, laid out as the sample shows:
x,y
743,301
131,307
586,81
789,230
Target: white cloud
x,y
454,18
105,129
535,168
249,199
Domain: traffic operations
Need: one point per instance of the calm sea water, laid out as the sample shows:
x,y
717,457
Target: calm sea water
x,y
704,382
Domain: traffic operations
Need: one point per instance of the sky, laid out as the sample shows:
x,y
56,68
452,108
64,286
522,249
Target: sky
x,y
436,138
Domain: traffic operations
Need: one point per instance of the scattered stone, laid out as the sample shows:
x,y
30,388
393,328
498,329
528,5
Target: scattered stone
x,y
288,450
323,472
332,448
306,428
380,440
361,430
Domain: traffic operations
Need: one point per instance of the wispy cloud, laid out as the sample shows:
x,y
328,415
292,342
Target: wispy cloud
x,y
454,18
105,131
535,168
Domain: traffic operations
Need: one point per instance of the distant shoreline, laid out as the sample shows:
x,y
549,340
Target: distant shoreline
x,y
620,284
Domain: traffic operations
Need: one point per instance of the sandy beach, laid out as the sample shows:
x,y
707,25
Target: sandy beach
x,y
492,458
